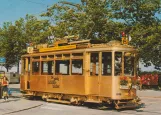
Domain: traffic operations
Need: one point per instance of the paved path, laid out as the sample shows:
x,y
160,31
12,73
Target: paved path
x,y
20,106
149,93
152,107
13,105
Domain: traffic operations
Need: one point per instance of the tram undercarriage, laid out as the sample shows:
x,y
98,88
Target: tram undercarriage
x,y
85,100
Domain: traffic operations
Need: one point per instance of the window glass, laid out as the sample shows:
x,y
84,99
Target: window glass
x,y
129,64
118,63
47,68
35,67
44,57
106,63
66,55
77,67
94,69
62,67
36,57
51,56
77,54
58,55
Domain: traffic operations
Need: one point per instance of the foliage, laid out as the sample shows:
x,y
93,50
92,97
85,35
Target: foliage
x,y
147,72
149,79
89,20
143,25
15,36
123,80
135,81
136,11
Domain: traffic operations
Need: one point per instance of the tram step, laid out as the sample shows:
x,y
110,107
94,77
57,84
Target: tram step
x,y
58,101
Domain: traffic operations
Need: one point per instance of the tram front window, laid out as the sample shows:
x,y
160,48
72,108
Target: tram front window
x,y
118,63
129,64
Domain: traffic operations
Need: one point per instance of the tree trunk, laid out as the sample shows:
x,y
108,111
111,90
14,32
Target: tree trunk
x,y
18,67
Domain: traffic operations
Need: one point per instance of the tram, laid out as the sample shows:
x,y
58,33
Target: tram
x,y
81,71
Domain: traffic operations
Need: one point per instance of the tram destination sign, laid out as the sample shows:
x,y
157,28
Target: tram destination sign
x,y
2,60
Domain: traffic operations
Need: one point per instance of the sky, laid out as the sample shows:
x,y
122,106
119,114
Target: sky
x,y
12,10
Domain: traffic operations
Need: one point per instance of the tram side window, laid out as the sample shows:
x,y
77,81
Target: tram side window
x,y
35,68
118,63
77,67
94,69
106,63
47,67
62,67
129,64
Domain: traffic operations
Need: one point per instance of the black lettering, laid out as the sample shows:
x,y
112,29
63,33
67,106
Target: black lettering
x,y
55,86
56,78
51,82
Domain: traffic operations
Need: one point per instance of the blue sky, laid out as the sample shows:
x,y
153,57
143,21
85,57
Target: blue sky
x,y
12,10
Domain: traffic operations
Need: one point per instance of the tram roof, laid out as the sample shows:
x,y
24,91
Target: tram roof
x,y
82,46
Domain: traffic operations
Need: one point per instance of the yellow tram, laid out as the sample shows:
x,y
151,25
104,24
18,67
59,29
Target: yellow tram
x,y
84,71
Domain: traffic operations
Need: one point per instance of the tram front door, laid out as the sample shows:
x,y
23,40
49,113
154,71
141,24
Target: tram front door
x,y
27,73
25,76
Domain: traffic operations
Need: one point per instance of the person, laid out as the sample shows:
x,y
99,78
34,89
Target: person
x,y
5,87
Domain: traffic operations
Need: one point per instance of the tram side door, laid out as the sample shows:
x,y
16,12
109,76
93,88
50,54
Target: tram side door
x,y
94,76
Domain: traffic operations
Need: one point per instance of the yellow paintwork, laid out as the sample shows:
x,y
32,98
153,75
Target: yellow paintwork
x,y
57,48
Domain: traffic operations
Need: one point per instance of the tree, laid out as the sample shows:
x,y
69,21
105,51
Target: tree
x,y
143,24
7,34
15,36
136,11
89,20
